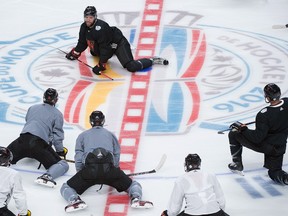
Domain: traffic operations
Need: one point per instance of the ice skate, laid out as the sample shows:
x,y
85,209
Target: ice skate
x,y
159,60
46,180
136,203
76,205
236,167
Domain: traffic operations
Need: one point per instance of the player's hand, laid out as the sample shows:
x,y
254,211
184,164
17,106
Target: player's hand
x,y
63,153
98,68
28,213
72,55
238,126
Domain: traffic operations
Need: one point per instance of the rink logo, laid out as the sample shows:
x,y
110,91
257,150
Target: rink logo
x,y
16,62
215,74
239,64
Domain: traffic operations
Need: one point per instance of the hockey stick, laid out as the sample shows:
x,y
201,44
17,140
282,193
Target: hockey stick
x,y
279,26
228,129
82,62
70,161
160,164
162,161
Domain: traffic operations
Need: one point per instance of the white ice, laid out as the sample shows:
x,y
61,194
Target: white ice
x,y
20,18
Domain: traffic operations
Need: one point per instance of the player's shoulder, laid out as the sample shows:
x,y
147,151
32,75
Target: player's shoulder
x,y
8,171
101,24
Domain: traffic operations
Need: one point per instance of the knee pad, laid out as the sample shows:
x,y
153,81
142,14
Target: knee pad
x,y
135,190
64,164
133,66
58,169
68,193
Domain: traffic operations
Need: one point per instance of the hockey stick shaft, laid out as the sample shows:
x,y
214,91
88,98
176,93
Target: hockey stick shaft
x,y
142,173
83,62
228,129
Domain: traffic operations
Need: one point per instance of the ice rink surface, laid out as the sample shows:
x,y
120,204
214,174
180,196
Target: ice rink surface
x,y
221,52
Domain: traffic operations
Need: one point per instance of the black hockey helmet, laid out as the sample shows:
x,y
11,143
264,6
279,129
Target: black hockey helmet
x,y
192,161
272,92
90,11
6,156
50,96
97,118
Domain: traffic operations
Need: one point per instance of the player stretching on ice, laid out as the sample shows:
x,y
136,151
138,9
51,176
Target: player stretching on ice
x,y
10,185
200,190
104,41
269,136
97,155
44,123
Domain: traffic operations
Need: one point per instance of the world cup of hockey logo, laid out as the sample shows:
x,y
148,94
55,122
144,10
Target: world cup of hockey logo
x,y
222,70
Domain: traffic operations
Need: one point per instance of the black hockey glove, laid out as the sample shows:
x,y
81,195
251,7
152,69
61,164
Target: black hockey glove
x,y
63,153
238,126
72,55
28,213
98,68
164,213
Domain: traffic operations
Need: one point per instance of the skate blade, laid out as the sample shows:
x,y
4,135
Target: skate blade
x,y
241,173
73,208
45,183
146,206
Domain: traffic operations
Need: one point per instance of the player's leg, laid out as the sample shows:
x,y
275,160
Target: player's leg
x,y
4,211
236,149
124,55
55,166
275,172
20,147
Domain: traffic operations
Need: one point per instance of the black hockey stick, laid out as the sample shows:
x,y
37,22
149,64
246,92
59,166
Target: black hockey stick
x,y
82,62
228,129
160,164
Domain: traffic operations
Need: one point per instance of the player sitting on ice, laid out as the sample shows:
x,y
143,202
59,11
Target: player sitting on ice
x,y
104,41
200,190
97,155
44,125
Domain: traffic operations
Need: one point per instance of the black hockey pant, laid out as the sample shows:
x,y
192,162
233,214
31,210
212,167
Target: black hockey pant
x,y
124,55
93,174
28,145
272,161
6,212
219,213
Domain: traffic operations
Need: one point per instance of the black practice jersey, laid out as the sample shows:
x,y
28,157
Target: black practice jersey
x,y
99,38
271,125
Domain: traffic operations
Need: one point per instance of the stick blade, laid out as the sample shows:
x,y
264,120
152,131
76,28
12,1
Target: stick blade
x,y
278,26
162,161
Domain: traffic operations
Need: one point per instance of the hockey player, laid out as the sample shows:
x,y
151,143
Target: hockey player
x,y
97,155
104,41
11,185
202,192
268,137
44,124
